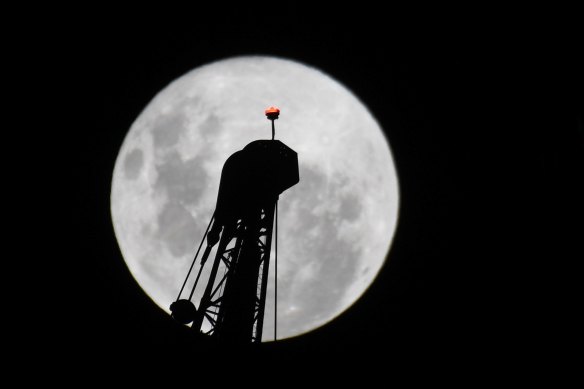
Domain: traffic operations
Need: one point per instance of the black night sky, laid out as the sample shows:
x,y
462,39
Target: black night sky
x,y
488,143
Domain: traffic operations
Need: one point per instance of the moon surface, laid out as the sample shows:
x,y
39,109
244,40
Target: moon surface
x,y
335,226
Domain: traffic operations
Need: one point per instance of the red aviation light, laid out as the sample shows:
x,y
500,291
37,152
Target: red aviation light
x,y
272,113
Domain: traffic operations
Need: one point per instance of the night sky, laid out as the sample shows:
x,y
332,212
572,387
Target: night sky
x,y
488,144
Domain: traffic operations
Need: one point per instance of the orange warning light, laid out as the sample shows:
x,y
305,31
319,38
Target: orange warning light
x,y
272,113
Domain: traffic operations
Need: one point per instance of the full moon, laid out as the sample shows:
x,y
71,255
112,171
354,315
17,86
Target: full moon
x,y
335,226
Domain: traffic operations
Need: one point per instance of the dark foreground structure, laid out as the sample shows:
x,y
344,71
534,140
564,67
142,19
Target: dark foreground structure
x,y
234,296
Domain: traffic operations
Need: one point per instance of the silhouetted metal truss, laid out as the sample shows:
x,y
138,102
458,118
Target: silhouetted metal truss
x,y
233,303
229,305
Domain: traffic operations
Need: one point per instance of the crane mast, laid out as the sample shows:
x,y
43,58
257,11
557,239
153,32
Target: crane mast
x,y
233,302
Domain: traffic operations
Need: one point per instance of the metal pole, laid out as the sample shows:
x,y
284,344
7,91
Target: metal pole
x,y
276,279
195,259
203,260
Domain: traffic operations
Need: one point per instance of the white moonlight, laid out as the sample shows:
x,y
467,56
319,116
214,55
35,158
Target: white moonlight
x,y
335,226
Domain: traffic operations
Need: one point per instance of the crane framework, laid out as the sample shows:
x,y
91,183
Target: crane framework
x,y
233,303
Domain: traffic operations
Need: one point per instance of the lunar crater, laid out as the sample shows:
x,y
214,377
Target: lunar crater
x,y
133,164
167,130
182,181
177,229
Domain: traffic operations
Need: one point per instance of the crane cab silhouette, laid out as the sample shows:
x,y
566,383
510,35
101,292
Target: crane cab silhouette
x,y
233,303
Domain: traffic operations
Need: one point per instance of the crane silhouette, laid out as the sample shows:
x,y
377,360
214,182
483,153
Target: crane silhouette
x,y
233,303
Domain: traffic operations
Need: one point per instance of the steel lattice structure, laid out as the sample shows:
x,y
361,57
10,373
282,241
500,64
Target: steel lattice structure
x,y
233,303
